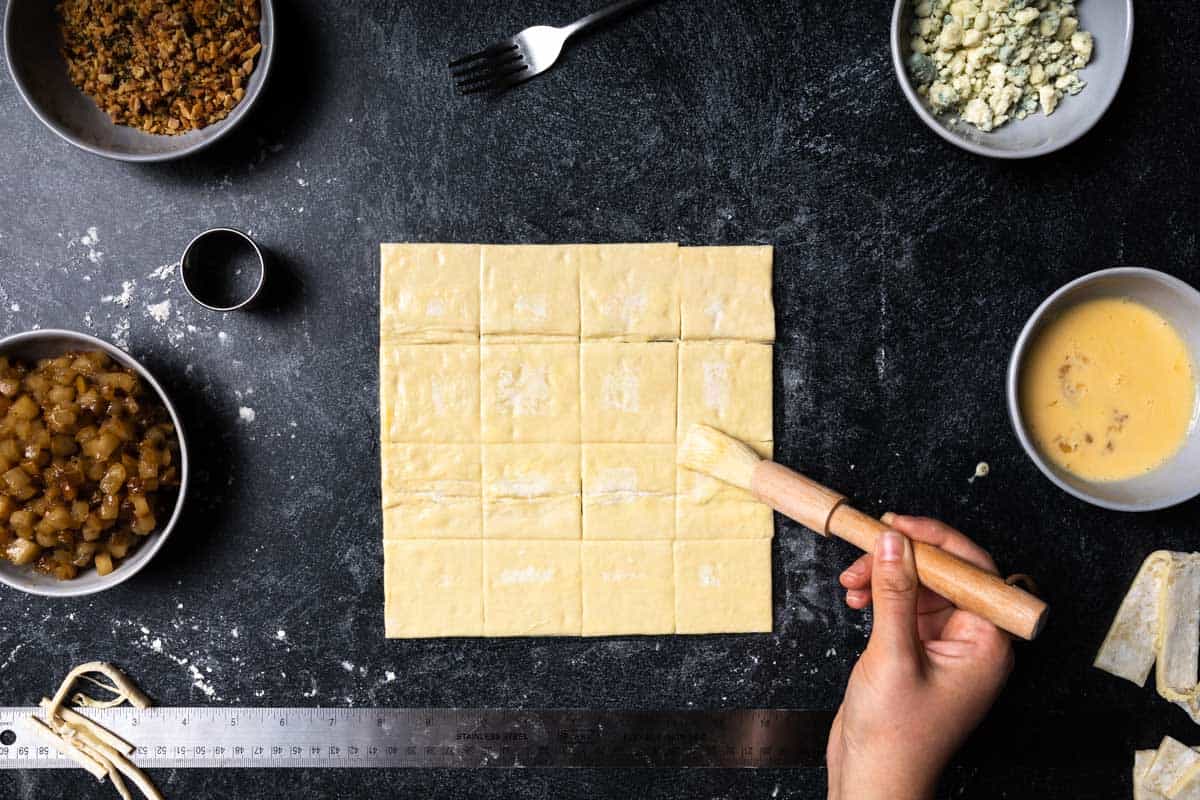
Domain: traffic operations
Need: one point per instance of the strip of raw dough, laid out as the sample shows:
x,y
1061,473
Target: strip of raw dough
x,y
1187,787
1172,760
1179,633
1129,649
1142,760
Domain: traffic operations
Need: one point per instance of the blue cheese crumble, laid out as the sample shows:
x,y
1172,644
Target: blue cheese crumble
x,y
989,61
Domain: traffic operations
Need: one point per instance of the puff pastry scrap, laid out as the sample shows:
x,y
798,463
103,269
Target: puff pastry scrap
x,y
531,398
1159,623
1172,772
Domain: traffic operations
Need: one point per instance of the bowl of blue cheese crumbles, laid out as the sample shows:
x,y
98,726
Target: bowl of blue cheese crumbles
x,y
1011,78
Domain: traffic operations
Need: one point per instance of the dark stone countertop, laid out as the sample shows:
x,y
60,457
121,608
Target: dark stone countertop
x,y
904,270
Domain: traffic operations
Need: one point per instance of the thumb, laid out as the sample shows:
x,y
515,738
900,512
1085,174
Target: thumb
x,y
894,589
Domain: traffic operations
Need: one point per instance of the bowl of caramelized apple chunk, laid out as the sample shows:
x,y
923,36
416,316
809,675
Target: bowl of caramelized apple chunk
x,y
93,464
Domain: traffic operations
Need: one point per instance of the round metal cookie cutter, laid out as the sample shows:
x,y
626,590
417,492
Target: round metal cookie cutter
x,y
213,261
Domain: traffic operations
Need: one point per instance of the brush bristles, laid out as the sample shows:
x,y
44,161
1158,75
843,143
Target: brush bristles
x,y
709,451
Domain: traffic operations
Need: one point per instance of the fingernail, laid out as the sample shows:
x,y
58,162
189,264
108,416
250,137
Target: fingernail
x,y
891,546
888,518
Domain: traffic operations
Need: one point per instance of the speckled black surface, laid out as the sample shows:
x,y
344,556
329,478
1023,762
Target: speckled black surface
x,y
904,270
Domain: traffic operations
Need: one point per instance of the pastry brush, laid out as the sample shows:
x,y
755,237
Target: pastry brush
x,y
824,511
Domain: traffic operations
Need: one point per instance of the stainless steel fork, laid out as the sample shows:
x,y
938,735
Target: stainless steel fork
x,y
531,52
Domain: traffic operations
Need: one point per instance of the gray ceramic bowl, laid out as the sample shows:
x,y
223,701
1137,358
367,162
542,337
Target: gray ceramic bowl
x,y
1178,479
31,45
1110,21
48,343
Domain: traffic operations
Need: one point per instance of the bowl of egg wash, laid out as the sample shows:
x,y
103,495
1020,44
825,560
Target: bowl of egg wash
x,y
1102,389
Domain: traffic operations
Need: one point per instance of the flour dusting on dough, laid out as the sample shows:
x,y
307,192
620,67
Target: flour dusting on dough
x,y
525,393
716,312
527,487
535,307
707,575
435,308
716,385
628,308
619,576
510,577
616,486
620,390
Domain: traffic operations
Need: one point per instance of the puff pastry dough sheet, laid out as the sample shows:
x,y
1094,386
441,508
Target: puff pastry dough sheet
x,y
530,392
532,588
726,293
431,491
532,491
630,292
531,292
429,392
432,588
628,391
532,398
628,491
628,588
726,385
429,292
723,586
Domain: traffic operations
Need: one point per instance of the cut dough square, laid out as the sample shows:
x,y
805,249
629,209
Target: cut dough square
x,y
432,588
531,588
430,392
531,491
431,491
723,586
726,293
726,385
530,392
706,508
628,391
531,292
630,292
429,292
628,588
628,491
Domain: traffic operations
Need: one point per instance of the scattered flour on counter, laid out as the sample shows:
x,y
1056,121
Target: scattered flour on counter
x,y
120,333
301,182
222,337
234,633
156,645
281,634
247,415
163,272
160,312
346,665
199,682
90,240
125,298
15,307
389,676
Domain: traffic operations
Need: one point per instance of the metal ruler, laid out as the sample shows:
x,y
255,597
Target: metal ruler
x,y
439,738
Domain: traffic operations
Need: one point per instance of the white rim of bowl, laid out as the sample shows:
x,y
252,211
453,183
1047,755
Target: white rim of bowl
x,y
149,549
1016,418
931,120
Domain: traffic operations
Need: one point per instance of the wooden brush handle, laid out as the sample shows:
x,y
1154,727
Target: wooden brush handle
x,y
962,583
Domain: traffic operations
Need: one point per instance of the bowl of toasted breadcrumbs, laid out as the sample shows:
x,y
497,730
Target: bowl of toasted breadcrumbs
x,y
139,80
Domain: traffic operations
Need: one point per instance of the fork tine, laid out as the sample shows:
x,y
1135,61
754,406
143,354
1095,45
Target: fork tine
x,y
492,81
496,49
492,73
490,65
490,77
